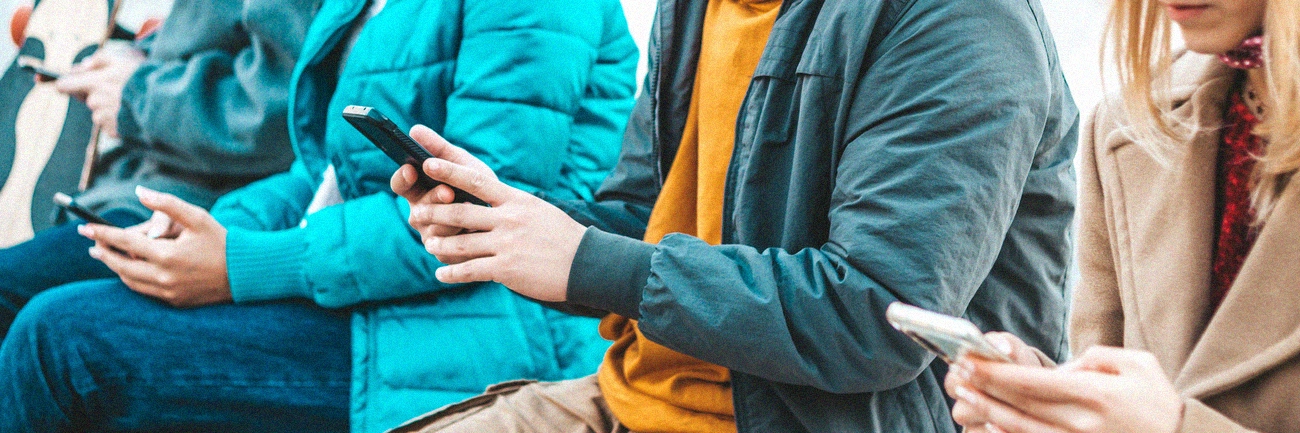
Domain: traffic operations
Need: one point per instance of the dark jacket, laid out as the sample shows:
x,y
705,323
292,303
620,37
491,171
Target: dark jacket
x,y
205,113
916,151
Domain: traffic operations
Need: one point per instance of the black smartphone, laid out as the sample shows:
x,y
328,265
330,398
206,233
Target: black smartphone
x,y
397,145
29,65
65,201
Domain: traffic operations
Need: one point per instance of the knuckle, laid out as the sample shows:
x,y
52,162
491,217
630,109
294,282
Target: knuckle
x,y
166,279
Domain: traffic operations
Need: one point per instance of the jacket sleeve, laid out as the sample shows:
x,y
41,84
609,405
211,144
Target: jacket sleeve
x,y
1097,317
928,181
521,72
211,97
275,203
1199,418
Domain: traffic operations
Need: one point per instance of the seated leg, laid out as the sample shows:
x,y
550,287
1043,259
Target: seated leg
x,y
95,356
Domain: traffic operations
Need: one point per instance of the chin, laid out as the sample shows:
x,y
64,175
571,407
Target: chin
x,y
1210,45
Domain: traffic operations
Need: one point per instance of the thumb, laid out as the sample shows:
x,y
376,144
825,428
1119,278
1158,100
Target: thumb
x,y
183,213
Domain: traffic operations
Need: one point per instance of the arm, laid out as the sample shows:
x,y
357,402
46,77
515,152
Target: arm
x,y
1097,317
275,203
925,192
211,98
514,103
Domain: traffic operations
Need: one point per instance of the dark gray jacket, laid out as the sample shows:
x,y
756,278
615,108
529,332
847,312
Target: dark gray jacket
x,y
205,113
887,150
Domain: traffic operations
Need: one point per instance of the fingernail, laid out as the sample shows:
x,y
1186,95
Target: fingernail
x,y
95,253
145,194
966,394
993,428
156,232
966,366
430,244
432,164
85,230
441,273
1001,345
960,371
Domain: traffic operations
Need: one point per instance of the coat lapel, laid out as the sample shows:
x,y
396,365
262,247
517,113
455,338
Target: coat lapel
x,y
1256,327
1170,213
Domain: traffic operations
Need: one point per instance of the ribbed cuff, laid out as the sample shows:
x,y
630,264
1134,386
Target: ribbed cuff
x,y
266,265
610,272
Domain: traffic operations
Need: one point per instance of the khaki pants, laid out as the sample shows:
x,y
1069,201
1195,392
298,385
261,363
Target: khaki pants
x,y
571,406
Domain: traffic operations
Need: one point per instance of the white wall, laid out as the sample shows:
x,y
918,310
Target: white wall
x,y
1076,24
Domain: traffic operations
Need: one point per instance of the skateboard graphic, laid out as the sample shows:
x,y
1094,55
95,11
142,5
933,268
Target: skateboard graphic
x,y
44,135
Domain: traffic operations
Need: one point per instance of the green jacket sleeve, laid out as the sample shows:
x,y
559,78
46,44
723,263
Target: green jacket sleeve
x,y
211,98
523,71
944,129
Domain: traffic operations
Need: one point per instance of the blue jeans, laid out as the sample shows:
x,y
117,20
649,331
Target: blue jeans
x,y
95,356
56,256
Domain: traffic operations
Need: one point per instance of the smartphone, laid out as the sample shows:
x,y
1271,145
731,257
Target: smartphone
x,y
397,145
29,64
65,201
946,336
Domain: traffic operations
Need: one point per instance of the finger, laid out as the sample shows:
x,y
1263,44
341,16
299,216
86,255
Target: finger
x,y
124,266
1000,415
472,181
403,183
966,416
131,243
1014,348
1113,360
1018,384
442,149
180,211
458,215
78,84
469,245
97,101
437,230
468,272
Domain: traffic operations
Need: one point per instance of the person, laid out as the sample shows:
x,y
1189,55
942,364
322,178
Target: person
x,y
791,169
338,323
202,113
1183,312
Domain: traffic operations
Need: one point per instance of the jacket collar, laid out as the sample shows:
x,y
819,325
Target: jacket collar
x,y
1210,352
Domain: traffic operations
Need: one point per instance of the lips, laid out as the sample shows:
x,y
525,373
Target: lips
x,y
1184,12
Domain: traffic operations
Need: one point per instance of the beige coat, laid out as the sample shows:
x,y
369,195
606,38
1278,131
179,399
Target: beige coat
x,y
1146,241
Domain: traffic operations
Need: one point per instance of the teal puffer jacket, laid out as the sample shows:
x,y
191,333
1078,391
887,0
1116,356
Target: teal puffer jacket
x,y
540,90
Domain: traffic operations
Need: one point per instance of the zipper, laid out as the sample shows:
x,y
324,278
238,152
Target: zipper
x,y
741,153
655,84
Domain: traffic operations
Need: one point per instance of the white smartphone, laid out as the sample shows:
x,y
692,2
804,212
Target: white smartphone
x,y
946,336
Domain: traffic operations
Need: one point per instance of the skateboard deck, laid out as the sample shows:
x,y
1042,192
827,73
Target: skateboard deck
x,y
43,133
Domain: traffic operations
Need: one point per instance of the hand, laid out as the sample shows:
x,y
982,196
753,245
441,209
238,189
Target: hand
x,y
403,181
186,271
1105,390
1009,344
521,241
98,80
158,226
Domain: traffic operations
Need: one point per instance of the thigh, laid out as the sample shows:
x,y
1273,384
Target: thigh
x,y
112,359
56,256
571,406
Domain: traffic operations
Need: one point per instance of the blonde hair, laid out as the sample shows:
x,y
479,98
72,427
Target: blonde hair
x,y
1139,34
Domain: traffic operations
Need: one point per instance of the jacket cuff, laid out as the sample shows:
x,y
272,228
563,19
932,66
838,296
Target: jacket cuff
x,y
609,273
265,265
1199,418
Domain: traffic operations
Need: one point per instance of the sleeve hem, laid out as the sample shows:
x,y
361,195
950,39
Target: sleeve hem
x,y
610,272
265,266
